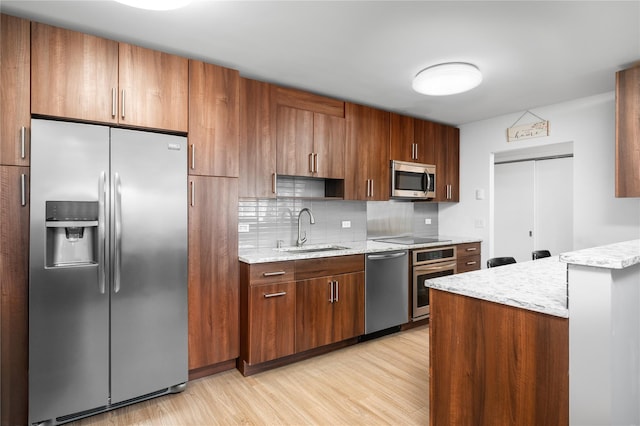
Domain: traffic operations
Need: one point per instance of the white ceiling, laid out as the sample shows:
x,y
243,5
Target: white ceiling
x,y
532,53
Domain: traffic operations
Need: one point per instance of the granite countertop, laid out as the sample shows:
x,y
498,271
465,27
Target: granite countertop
x,y
352,247
612,256
537,285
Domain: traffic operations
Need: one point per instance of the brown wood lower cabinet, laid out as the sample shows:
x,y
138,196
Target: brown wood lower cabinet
x,y
468,257
288,308
492,364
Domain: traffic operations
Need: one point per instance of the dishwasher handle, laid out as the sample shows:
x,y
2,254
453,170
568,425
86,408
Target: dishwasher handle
x,y
386,256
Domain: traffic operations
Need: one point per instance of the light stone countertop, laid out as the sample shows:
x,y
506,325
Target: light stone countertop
x,y
537,285
612,256
351,247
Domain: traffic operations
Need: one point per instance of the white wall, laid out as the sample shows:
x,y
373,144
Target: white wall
x,y
598,217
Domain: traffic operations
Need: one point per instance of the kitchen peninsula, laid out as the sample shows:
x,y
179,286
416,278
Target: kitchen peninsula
x,y
503,351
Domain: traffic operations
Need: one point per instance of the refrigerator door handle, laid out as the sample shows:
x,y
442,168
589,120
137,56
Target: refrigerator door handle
x,y
117,208
102,216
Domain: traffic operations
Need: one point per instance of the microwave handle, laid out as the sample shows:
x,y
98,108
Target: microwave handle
x,y
426,182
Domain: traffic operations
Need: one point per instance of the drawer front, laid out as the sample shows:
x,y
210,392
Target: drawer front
x,y
469,263
325,266
274,272
468,249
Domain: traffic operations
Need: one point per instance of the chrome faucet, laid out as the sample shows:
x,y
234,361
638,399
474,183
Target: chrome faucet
x,y
303,239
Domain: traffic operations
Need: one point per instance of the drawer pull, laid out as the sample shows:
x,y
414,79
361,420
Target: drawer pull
x,y
472,248
282,293
472,262
273,274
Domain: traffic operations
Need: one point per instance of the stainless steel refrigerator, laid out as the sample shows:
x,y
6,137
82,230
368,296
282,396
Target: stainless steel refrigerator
x,y
108,268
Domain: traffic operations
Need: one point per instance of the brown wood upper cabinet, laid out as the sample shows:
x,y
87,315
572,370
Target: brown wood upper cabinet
x,y
214,113
367,154
213,271
14,96
447,154
412,139
257,140
310,134
628,132
84,77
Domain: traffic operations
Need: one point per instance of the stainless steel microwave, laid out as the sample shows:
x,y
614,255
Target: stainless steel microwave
x,y
413,180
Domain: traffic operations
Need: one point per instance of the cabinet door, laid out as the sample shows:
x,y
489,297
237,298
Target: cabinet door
x,y
213,271
294,142
272,325
14,264
348,308
452,190
366,154
328,145
427,136
154,89
213,120
402,144
314,313
628,132
74,75
257,140
14,96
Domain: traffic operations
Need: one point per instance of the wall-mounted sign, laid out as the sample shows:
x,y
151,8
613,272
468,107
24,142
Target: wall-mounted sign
x,y
529,130
526,131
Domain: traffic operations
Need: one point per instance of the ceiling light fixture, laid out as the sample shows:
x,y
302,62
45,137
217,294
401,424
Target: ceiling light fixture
x,y
156,4
447,79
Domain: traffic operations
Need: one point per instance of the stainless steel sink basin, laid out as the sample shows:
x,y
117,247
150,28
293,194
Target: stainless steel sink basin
x,y
311,249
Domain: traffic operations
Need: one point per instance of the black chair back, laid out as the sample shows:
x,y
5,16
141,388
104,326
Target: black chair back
x,y
539,254
499,261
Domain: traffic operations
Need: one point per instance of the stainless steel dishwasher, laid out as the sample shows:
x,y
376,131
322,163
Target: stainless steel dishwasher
x,y
386,290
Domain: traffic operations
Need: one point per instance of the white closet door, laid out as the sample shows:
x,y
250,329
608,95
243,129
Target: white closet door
x,y
514,210
554,205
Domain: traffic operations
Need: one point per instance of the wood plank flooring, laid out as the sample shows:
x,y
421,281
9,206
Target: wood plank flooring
x,y
380,382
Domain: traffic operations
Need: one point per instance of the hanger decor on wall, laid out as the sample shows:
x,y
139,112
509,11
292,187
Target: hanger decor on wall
x,y
530,130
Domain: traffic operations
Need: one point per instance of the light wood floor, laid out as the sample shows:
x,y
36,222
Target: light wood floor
x,y
383,381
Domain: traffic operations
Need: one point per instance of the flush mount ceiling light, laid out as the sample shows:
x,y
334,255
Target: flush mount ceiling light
x,y
447,79
156,4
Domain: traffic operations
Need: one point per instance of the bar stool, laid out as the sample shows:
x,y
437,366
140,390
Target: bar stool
x,y
499,261
539,254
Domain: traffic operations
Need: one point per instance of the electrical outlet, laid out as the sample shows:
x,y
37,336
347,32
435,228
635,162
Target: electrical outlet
x,y
427,221
480,223
346,224
243,227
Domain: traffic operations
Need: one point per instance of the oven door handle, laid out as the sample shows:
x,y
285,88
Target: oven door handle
x,y
436,268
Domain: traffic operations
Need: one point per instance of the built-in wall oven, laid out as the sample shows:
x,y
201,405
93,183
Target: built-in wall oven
x,y
429,263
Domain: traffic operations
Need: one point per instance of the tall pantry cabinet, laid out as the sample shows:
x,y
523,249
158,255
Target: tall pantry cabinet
x,y
628,132
214,339
14,211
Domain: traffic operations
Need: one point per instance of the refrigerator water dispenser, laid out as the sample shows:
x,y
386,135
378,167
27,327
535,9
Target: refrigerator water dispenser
x,y
72,233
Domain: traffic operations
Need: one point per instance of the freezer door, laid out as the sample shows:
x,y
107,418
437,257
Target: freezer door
x,y
68,306
149,263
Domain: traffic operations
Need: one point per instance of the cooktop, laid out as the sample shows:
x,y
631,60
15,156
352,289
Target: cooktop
x,y
408,240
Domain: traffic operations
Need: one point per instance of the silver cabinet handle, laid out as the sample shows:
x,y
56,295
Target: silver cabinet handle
x,y
102,217
23,189
315,162
449,192
273,274
337,284
193,156
274,183
473,262
282,293
122,103
118,234
311,162
114,102
472,248
371,187
192,185
23,137
368,188
331,291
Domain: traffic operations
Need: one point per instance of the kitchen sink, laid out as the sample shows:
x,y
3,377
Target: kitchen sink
x,y
311,249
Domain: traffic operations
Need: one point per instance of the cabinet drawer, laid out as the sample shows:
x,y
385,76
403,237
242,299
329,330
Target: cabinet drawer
x,y
468,249
274,272
469,263
325,266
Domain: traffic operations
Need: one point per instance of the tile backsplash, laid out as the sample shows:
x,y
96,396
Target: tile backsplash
x,y
264,222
